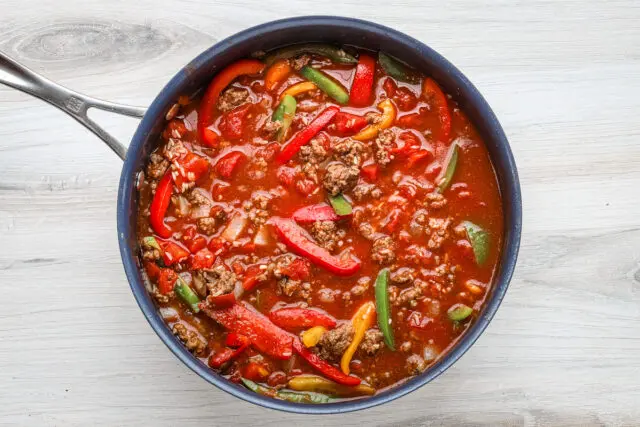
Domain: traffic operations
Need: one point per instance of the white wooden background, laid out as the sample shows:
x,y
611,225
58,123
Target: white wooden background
x,y
564,349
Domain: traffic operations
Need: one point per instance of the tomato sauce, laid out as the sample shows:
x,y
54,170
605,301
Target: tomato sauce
x,y
433,259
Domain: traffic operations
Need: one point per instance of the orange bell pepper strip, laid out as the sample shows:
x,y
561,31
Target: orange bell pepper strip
x,y
210,98
362,320
276,74
389,112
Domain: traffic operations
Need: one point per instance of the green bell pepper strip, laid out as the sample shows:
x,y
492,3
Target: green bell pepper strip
x,y
290,396
383,309
479,240
459,312
326,84
340,205
334,53
444,179
284,113
397,69
186,293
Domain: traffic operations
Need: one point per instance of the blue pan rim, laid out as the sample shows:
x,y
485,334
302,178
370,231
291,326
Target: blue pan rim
x,y
508,177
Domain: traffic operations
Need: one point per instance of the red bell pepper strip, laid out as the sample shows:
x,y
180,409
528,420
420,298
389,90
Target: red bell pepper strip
x,y
323,367
166,280
313,213
251,277
304,136
349,124
229,162
370,172
159,206
362,86
239,342
217,85
264,335
296,239
432,91
204,258
301,318
222,301
153,271
173,252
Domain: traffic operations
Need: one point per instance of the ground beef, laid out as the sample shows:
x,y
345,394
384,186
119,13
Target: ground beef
x,y
372,342
361,287
340,178
149,253
415,364
439,232
403,276
191,339
207,226
161,298
219,280
383,250
315,151
366,230
373,117
300,61
198,197
257,207
271,128
327,234
349,151
334,342
232,98
294,288
157,166
383,144
363,190
174,149
435,200
408,296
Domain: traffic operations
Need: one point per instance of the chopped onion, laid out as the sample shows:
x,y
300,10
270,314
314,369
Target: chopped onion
x,y
262,237
235,228
430,353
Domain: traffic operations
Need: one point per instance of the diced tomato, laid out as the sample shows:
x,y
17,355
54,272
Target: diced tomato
x,y
174,127
419,321
286,175
191,167
389,87
392,220
251,277
210,138
229,162
464,247
222,301
166,280
418,157
233,124
204,258
237,268
218,246
255,372
405,99
248,247
370,172
192,240
299,269
433,170
348,124
173,252
152,269
410,143
268,152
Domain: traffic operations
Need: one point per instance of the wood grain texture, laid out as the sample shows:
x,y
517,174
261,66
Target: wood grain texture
x,y
564,349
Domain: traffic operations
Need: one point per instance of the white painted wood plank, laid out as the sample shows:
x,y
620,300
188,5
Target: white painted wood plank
x,y
564,349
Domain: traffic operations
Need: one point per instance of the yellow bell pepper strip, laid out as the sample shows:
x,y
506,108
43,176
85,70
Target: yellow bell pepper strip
x,y
289,396
382,308
389,112
326,84
362,320
298,88
314,383
311,336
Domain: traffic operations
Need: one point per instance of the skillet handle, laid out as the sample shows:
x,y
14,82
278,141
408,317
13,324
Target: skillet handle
x,y
73,103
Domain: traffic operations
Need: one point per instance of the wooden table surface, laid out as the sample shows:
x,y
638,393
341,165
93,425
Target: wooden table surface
x,y
564,349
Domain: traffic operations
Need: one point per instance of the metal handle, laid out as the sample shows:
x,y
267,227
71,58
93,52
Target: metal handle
x,y
73,103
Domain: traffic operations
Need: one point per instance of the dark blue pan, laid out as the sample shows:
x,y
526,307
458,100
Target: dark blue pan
x,y
197,74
